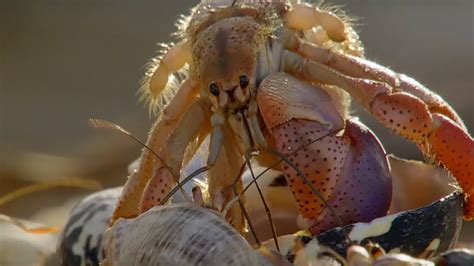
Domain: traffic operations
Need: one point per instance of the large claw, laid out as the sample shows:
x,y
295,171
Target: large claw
x,y
350,171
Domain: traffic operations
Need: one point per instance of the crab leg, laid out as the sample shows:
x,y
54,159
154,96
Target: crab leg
x,y
129,200
436,133
348,168
163,179
364,69
222,175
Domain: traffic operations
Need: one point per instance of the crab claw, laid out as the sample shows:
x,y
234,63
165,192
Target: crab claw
x,y
348,170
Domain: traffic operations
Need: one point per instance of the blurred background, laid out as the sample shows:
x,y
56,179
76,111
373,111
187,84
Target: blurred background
x,y
63,62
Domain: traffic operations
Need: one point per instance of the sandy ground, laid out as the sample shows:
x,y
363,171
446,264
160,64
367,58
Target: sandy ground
x,y
62,62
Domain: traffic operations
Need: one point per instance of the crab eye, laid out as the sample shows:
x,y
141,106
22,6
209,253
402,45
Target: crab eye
x,y
214,88
244,81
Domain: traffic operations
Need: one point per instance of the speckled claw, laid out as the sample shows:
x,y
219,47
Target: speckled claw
x,y
349,170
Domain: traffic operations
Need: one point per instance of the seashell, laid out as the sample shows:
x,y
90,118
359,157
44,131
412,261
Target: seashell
x,y
81,240
401,260
423,222
414,227
177,234
455,257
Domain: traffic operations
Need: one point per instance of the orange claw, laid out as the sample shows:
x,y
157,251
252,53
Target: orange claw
x,y
454,149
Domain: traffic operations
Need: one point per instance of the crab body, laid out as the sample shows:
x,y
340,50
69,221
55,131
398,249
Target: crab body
x,y
273,81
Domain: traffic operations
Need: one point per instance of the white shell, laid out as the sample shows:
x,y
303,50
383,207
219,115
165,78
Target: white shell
x,y
177,234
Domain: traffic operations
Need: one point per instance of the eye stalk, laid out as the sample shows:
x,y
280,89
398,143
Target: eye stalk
x,y
214,89
244,81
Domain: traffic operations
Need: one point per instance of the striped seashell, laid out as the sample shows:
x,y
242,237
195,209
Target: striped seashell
x,y
177,234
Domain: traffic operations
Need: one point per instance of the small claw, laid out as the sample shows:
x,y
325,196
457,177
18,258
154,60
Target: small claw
x,y
454,149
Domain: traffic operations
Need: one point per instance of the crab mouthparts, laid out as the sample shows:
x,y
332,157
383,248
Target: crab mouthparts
x,y
233,96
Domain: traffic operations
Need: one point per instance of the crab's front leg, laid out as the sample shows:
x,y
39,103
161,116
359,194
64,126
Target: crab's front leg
x,y
194,122
129,200
169,140
342,159
408,109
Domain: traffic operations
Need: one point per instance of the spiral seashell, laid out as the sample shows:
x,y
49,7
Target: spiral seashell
x,y
177,234
81,241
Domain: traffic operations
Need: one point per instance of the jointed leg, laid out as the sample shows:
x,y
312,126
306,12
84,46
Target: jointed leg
x,y
189,127
363,69
221,176
130,198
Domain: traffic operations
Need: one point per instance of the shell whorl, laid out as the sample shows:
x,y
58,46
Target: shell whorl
x,y
178,234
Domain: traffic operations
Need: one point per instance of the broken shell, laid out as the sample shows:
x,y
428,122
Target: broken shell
x,y
424,231
177,234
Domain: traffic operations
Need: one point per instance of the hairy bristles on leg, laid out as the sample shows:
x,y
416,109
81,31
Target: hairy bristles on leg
x,y
156,101
351,45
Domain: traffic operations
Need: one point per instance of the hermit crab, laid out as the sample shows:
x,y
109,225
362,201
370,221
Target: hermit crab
x,y
271,82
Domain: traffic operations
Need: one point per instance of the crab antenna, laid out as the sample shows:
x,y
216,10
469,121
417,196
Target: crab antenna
x,y
267,210
313,189
241,204
99,123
